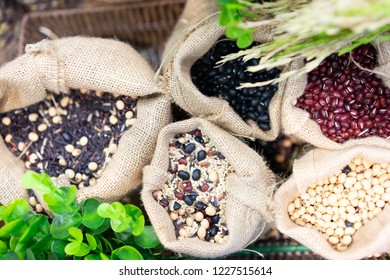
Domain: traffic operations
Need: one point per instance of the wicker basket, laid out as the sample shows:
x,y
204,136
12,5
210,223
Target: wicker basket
x,y
146,25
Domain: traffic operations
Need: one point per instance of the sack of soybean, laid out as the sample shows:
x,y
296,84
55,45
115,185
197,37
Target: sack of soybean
x,y
204,89
207,194
343,102
84,110
336,202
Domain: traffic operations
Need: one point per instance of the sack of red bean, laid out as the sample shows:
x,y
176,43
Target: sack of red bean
x,y
343,102
86,111
207,194
206,89
336,202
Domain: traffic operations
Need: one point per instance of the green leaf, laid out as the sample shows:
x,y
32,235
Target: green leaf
x,y
3,248
28,235
13,242
58,248
17,209
107,244
120,225
41,183
126,253
244,40
30,255
72,248
83,251
2,210
104,256
124,236
62,201
92,257
61,224
106,225
76,234
137,226
233,32
54,199
147,239
10,256
91,241
11,228
235,6
70,194
226,17
105,210
42,242
91,218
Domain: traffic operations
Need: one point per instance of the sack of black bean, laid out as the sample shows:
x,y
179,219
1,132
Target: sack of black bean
x,y
85,111
342,102
335,203
206,89
206,193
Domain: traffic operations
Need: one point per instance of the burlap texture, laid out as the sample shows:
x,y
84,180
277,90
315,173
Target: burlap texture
x,y
88,63
248,192
373,237
296,121
193,12
191,44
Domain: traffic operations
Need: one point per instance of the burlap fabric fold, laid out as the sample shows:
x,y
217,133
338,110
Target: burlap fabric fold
x,y
249,190
197,32
86,63
373,237
296,121
193,12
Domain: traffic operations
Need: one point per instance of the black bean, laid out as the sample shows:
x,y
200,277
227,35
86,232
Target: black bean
x,y
188,199
208,236
201,155
215,219
176,206
224,80
346,169
200,205
184,175
189,148
214,231
196,175
348,224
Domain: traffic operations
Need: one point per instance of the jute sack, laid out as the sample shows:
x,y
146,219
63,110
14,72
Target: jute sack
x,y
249,190
296,121
86,63
373,237
193,12
191,45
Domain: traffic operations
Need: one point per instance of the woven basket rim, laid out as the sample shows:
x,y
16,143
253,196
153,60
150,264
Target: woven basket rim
x,y
112,7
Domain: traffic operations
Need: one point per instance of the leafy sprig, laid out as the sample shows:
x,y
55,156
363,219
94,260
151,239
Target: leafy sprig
x,y
312,30
91,230
232,14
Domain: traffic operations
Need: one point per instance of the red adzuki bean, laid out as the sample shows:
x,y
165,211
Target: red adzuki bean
x,y
346,101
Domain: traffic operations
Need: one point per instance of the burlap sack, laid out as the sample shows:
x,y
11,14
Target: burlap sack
x,y
88,63
193,12
373,237
296,121
192,40
248,192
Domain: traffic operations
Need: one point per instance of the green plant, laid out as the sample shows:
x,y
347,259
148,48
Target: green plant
x,y
91,230
232,13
